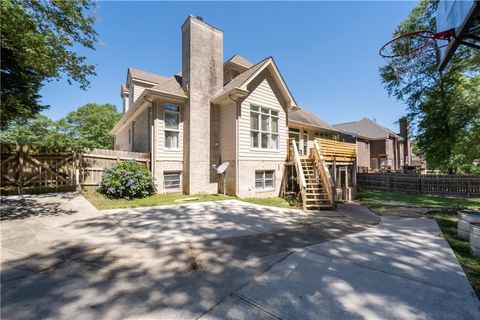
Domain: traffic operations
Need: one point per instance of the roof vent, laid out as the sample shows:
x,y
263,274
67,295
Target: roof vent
x,y
199,18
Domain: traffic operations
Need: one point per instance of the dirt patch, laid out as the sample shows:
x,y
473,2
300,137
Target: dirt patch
x,y
401,212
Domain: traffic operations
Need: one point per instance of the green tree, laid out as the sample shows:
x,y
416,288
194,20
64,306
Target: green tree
x,y
37,45
87,127
444,105
90,125
39,131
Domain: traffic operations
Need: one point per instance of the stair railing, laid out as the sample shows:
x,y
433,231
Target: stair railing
x,y
301,177
324,173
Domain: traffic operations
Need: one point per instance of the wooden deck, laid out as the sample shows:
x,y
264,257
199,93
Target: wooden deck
x,y
338,151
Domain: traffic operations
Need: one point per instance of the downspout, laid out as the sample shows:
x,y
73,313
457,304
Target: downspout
x,y
151,121
237,177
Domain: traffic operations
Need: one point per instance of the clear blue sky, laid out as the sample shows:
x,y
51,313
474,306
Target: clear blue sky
x,y
326,51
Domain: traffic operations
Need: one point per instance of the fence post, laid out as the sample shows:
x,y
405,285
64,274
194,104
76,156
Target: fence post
x,y
419,184
20,169
468,187
76,165
389,186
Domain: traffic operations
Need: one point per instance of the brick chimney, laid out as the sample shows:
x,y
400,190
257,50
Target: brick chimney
x,y
202,72
405,133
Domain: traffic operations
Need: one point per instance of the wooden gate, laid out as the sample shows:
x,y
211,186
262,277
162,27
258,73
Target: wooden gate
x,y
27,169
34,170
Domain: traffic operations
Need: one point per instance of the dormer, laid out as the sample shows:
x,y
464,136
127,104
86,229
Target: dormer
x,y
138,80
233,67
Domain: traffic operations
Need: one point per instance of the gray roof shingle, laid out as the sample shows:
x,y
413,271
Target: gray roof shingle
x,y
306,117
241,61
366,128
242,77
172,85
146,76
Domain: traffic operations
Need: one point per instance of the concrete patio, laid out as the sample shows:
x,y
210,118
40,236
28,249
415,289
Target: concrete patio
x,y
62,258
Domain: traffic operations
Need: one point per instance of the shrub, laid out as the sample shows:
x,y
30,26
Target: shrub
x,y
127,180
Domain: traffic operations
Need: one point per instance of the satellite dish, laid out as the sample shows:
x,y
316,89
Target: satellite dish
x,y
221,170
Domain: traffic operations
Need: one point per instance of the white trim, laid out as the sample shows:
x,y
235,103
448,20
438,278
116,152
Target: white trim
x,y
278,77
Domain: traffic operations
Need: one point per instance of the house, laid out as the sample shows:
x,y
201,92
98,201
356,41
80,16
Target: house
x,y
379,148
213,112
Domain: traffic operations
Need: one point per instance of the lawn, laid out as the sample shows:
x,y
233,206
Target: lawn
x,y
447,222
102,203
380,199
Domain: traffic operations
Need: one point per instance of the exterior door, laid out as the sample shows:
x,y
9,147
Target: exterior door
x,y
295,135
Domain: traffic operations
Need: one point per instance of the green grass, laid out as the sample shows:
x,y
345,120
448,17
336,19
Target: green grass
x,y
103,203
275,202
380,199
446,219
447,222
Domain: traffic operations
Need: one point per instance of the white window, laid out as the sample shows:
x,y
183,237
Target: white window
x,y
263,128
367,146
172,121
171,180
264,179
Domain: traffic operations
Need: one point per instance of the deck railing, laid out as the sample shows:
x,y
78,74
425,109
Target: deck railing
x,y
324,174
298,167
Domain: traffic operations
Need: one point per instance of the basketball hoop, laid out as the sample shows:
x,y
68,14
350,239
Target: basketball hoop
x,y
405,52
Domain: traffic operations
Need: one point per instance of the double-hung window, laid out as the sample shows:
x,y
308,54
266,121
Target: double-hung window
x,y
172,122
264,179
263,128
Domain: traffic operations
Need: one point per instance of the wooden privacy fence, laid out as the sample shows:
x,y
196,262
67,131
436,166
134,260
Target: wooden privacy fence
x,y
27,169
447,185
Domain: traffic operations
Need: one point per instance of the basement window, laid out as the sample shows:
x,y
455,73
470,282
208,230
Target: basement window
x,y
264,179
172,180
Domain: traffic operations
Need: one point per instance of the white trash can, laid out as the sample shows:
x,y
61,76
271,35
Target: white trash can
x,y
465,218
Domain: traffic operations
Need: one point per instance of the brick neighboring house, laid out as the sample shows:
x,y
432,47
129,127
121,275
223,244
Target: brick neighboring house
x,y
214,112
379,148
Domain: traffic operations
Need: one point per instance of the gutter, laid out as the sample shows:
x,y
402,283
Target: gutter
x,y
143,98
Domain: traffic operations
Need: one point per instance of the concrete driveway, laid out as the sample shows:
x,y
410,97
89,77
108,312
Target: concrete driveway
x,y
62,258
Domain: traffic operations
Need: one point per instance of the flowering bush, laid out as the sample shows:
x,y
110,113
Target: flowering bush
x,y
127,180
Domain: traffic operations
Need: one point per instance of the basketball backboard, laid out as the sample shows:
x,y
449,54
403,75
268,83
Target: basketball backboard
x,y
462,17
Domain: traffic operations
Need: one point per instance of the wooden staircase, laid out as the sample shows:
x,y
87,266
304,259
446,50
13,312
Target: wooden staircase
x,y
316,186
316,197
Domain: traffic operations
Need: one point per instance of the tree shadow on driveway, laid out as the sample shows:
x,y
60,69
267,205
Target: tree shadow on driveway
x,y
163,263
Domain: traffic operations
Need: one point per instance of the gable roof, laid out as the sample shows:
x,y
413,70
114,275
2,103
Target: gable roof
x,y
306,117
145,76
367,128
239,60
241,81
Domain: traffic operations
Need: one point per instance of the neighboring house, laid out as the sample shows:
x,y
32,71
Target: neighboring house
x,y
379,148
214,112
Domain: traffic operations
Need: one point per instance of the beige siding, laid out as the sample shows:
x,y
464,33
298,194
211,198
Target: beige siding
x,y
227,131
135,90
141,133
162,152
264,94
121,140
